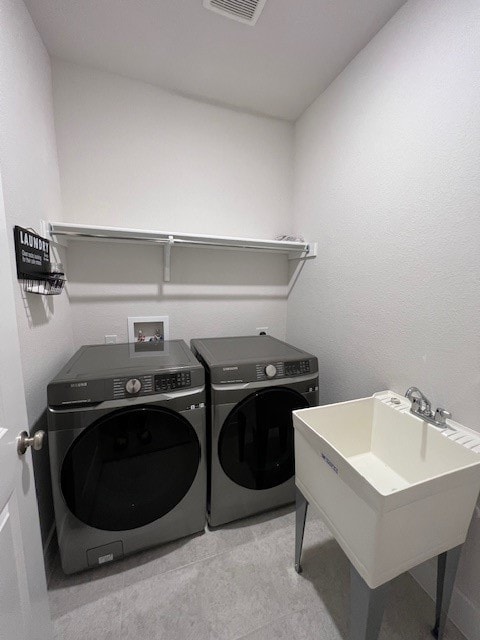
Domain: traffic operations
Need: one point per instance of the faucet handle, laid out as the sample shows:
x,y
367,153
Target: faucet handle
x,y
442,415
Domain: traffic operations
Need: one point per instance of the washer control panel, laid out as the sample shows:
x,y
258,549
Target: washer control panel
x,y
132,386
172,381
268,371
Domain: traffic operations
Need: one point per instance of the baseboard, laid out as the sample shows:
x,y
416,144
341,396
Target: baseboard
x,y
463,613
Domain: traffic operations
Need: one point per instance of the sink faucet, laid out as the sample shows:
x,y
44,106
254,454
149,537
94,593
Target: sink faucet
x,y
420,402
422,407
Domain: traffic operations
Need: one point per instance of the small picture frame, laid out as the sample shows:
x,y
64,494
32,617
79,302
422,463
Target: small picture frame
x,y
147,331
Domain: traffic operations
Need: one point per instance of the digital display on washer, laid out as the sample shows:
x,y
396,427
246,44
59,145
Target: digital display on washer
x,y
169,381
298,368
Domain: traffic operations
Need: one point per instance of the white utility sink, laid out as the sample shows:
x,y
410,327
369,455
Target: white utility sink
x,y
393,489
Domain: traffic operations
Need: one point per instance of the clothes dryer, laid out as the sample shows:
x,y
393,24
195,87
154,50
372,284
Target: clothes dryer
x,y
126,433
253,384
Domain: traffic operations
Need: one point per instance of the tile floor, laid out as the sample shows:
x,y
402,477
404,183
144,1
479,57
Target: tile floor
x,y
230,583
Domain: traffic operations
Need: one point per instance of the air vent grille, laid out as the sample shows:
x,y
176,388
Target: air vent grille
x,y
246,11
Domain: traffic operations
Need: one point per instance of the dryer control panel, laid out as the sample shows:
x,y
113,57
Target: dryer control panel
x,y
299,368
266,371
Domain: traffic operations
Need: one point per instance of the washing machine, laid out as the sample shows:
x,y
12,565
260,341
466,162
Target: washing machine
x,y
126,435
253,385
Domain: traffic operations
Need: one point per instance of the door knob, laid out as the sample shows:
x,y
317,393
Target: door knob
x,y
24,441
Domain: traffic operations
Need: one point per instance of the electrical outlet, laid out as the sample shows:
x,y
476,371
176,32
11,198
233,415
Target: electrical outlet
x,y
111,339
261,330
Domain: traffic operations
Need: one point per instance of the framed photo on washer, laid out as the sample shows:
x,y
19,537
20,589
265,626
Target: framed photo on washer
x,y
143,330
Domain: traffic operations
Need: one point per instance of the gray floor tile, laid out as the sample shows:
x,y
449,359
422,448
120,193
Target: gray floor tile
x,y
277,630
180,553
69,593
316,622
165,607
236,596
232,583
222,597
325,566
98,620
410,613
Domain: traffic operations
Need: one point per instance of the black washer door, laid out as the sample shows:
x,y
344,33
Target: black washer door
x,y
255,447
130,468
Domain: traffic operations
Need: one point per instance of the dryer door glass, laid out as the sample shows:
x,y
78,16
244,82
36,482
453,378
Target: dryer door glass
x,y
130,468
255,447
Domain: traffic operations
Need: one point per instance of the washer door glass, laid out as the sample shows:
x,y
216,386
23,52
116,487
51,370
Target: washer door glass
x,y
255,447
130,468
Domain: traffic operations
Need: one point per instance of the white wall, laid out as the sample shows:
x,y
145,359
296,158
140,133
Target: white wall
x,y
28,160
387,175
133,155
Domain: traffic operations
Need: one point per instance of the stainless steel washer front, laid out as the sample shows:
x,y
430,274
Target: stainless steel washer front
x,y
127,472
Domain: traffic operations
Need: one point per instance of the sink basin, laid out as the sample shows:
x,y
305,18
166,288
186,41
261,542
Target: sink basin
x,y
393,489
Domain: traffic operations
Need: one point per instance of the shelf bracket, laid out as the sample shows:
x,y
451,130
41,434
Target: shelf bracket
x,y
167,259
46,232
310,252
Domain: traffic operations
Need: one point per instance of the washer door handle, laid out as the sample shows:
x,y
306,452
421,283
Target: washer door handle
x,y
24,441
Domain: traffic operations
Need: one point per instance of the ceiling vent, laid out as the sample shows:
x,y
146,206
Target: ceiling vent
x,y
246,11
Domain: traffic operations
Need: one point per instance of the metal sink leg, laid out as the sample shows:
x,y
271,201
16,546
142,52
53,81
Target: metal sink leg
x,y
447,564
366,607
301,506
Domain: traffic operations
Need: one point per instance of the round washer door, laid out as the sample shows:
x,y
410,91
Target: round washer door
x,y
130,467
255,446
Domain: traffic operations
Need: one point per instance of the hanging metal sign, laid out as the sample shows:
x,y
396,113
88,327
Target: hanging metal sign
x,y
34,266
32,253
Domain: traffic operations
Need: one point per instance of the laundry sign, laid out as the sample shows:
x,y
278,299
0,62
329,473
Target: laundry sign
x,y
32,253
